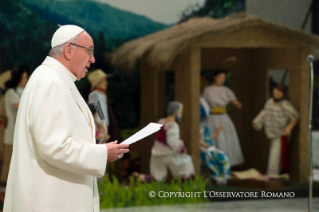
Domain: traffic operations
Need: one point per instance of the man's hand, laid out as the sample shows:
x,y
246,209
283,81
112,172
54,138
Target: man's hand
x,y
290,126
204,144
183,150
287,131
237,104
215,134
116,151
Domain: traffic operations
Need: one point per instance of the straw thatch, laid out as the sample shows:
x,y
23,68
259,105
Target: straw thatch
x,y
161,48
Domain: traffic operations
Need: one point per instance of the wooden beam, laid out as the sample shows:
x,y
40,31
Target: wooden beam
x,y
152,106
304,100
187,91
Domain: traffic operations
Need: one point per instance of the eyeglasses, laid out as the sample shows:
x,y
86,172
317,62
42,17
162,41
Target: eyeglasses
x,y
90,51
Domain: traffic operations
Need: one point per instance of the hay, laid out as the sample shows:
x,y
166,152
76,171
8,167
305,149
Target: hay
x,y
161,48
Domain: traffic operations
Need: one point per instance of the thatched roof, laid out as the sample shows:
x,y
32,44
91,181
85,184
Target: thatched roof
x,y
161,48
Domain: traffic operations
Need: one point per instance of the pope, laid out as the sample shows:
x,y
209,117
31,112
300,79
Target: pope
x,y
55,160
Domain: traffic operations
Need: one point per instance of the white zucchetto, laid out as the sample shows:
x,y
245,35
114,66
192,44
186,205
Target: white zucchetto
x,y
64,34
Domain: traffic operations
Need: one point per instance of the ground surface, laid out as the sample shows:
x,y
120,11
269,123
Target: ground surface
x,y
273,205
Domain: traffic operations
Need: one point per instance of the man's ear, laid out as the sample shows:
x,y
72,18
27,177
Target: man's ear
x,y
67,51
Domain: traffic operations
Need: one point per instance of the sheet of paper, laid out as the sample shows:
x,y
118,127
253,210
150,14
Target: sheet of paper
x,y
146,131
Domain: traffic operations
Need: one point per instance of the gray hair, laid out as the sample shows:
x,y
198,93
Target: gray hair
x,y
58,50
173,107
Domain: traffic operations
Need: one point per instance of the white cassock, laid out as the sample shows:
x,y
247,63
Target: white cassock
x,y
55,160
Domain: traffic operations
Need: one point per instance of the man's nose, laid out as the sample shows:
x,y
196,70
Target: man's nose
x,y
92,59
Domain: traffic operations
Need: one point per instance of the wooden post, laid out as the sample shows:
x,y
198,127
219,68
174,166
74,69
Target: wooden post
x,y
304,116
187,91
152,106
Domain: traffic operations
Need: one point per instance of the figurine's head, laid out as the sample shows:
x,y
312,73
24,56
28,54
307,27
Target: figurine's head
x,y
19,78
278,92
98,80
219,77
102,84
175,108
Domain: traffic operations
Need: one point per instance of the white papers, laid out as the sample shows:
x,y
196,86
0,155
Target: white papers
x,y
146,131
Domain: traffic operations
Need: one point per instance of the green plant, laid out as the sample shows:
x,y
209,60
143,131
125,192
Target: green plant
x,y
113,195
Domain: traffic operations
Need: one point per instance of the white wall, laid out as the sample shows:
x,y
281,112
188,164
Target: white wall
x,y
290,13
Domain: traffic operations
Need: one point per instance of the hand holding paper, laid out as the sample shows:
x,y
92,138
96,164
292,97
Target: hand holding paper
x,y
146,131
